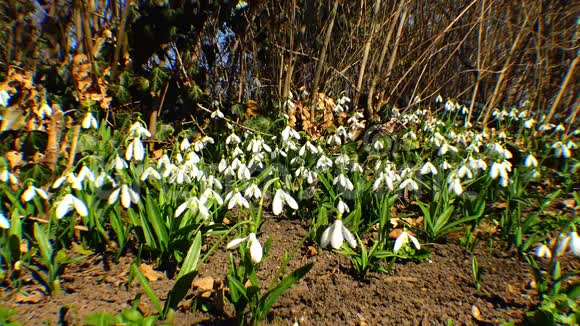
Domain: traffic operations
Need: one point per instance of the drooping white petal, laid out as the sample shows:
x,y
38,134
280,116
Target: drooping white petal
x,y
138,149
28,194
65,206
325,238
277,203
235,243
114,196
336,237
543,251
125,196
4,222
348,237
415,241
255,249
575,243
80,207
129,151
290,201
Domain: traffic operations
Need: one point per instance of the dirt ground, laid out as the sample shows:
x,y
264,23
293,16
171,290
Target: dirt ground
x,y
429,292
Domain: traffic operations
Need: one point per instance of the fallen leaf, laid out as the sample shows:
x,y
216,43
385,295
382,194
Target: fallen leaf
x,y
311,251
33,297
571,203
395,233
203,284
150,273
476,313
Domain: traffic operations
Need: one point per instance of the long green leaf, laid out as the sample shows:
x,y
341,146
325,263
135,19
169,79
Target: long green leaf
x,y
147,287
192,258
43,244
271,296
157,222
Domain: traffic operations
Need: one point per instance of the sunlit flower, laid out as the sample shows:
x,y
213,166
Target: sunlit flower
x,y
31,192
323,162
4,222
308,146
90,122
563,150
195,204
119,163
253,191
256,252
342,207
150,171
7,176
280,198
137,130
344,182
185,144
289,132
135,150
244,172
128,196
233,139
463,172
543,251
4,98
68,203
45,110
403,239
335,235
570,241
409,184
454,184
235,198
217,114
428,168
530,161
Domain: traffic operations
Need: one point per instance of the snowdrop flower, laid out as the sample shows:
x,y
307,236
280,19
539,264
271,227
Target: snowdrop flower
x,y
344,182
196,204
463,172
561,150
530,161
256,252
323,162
386,177
308,146
217,114
185,144
150,171
90,122
500,169
70,178
342,159
356,167
342,207
528,124
335,235
137,130
4,98
445,166
428,168
135,150
235,198
378,145
45,110
31,192
445,148
233,139
454,185
280,198
244,172
403,239
4,222
543,251
409,184
68,203
289,132
119,163
253,191
7,176
571,241
128,196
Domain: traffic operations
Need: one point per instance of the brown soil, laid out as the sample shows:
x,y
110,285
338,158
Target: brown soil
x,y
426,293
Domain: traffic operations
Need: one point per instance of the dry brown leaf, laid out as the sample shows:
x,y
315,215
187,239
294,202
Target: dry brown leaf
x,y
476,313
33,297
395,233
571,203
311,251
203,284
14,159
150,273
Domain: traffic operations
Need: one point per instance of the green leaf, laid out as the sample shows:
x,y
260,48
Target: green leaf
x,y
43,244
192,258
237,289
271,296
101,319
147,287
157,221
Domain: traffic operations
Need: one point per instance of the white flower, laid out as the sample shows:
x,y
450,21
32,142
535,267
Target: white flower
x,y
561,150
256,252
289,132
464,171
90,122
543,251
530,161
135,149
6,176
4,98
280,198
4,222
409,184
454,184
428,168
236,199
253,191
150,171
244,172
335,235
45,110
445,166
128,196
403,238
344,182
185,144
67,204
31,192
137,130
308,146
217,114
571,241
342,207
323,163
439,99
119,163
195,203
233,139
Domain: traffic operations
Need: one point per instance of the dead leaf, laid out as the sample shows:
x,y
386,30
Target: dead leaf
x,y
204,284
571,203
150,273
311,251
395,233
33,297
476,313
